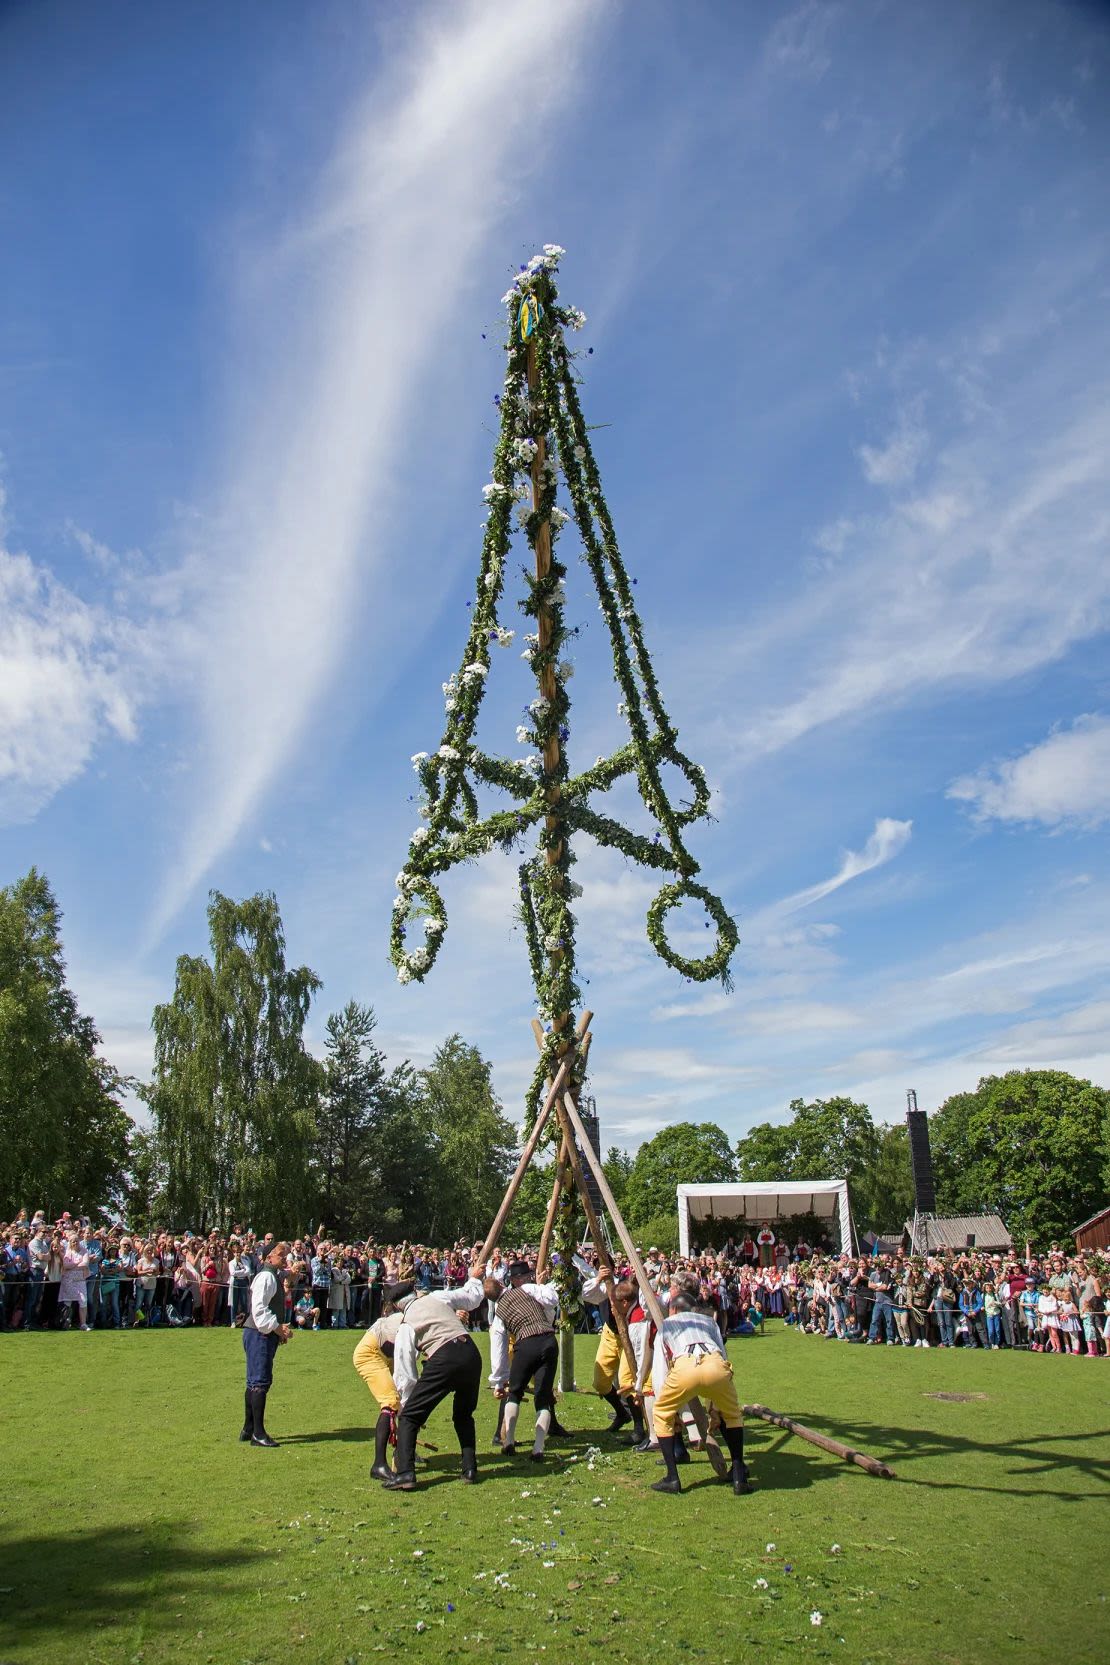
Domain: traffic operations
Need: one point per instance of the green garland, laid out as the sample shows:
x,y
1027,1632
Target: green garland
x,y
546,796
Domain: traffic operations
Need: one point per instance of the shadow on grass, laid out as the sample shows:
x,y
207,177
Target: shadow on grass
x,y
60,1585
1025,1460
355,1435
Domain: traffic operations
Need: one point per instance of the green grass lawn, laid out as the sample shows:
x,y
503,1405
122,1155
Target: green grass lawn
x,y
135,1530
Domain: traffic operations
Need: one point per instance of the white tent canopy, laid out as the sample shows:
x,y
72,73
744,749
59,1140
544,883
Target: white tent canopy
x,y
764,1200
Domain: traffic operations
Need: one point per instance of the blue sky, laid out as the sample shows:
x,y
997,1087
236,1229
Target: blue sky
x,y
846,274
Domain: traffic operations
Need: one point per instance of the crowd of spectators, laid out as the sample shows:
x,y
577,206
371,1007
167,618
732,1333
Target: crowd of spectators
x,y
68,1274
1053,1303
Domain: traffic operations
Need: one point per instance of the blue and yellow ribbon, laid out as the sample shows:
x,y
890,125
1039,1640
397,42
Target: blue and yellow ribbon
x,y
530,315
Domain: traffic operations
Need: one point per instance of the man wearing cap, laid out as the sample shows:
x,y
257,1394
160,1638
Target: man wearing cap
x,y
431,1328
264,1330
373,1359
524,1313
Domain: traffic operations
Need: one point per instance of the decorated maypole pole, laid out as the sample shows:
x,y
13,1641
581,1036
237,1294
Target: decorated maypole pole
x,y
543,437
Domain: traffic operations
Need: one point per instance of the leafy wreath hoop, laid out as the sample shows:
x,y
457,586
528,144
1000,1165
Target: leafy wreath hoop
x,y
543,437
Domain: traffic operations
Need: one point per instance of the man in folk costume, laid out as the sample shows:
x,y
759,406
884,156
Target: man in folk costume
x,y
766,1241
264,1330
373,1359
431,1328
613,1376
690,1363
525,1315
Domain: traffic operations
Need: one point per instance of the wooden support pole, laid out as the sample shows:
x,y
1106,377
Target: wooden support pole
x,y
712,1449
526,1156
595,1228
561,1168
847,1452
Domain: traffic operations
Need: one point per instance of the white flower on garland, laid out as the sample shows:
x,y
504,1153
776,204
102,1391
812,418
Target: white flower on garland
x,y
575,317
574,890
505,638
540,706
552,255
580,452
490,580
404,881
523,515
566,669
552,944
559,518
421,835
400,903
523,735
449,753
510,296
495,489
434,927
533,764
404,975
525,450
418,758
475,671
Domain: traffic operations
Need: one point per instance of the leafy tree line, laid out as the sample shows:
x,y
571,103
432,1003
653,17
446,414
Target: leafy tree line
x,y
248,1127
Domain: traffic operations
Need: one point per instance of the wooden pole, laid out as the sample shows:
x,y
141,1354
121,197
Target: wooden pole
x,y
847,1452
614,1213
526,1156
552,1209
595,1230
561,1166
552,751
712,1448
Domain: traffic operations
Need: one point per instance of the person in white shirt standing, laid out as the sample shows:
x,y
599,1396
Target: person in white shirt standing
x,y
430,1327
264,1330
691,1363
526,1313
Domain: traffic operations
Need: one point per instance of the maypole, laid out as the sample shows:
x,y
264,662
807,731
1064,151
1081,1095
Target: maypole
x,y
544,438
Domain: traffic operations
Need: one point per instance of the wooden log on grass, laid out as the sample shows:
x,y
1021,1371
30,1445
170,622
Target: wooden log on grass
x,y
848,1453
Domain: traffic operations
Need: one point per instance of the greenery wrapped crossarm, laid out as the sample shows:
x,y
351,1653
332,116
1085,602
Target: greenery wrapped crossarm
x,y
543,437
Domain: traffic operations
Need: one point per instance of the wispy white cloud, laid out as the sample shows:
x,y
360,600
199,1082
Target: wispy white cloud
x,y
420,177
896,462
67,682
888,839
1063,781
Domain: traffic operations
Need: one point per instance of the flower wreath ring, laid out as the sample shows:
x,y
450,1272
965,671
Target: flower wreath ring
x,y
713,965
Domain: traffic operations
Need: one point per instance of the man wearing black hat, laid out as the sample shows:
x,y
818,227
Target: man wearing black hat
x,y
525,1312
430,1328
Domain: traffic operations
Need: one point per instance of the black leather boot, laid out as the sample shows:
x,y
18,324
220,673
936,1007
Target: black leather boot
x,y
620,1411
670,1481
247,1429
381,1469
258,1410
469,1465
734,1439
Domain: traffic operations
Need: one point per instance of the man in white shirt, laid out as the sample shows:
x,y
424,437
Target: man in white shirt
x,y
691,1363
264,1330
430,1328
524,1313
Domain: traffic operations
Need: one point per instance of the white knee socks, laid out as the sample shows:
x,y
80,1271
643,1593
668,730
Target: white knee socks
x,y
543,1423
508,1426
